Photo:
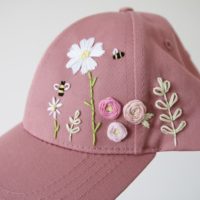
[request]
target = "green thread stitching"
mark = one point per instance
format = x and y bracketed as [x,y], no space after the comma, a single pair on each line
[56,128]
[162,90]
[95,126]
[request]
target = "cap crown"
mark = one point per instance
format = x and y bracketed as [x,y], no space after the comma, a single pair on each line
[150,49]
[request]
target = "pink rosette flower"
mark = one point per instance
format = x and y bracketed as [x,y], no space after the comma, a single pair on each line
[109,108]
[116,132]
[134,111]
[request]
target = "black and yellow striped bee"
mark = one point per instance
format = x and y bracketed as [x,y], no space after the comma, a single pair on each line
[117,54]
[61,88]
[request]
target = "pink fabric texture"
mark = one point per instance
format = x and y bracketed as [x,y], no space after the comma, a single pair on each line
[32,169]
[37,159]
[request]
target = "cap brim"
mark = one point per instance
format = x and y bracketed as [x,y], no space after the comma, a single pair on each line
[32,169]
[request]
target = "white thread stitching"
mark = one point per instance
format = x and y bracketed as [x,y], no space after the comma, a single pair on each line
[166,105]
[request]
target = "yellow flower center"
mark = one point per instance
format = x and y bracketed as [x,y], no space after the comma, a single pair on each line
[109,108]
[85,54]
[54,108]
[116,132]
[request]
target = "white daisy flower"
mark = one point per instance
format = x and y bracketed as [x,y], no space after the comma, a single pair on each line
[81,57]
[53,107]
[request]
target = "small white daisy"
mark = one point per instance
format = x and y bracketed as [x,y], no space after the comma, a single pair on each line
[81,57]
[53,107]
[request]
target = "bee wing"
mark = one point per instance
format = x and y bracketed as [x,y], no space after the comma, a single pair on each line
[67,86]
[115,51]
[56,86]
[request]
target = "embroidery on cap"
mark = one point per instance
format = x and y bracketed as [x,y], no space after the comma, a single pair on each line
[81,58]
[53,109]
[135,112]
[117,54]
[166,105]
[73,127]
[116,132]
[61,88]
[109,108]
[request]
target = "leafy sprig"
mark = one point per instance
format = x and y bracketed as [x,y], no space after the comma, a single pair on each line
[166,104]
[73,127]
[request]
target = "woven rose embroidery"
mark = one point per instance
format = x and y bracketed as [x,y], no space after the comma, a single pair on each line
[116,132]
[109,108]
[135,112]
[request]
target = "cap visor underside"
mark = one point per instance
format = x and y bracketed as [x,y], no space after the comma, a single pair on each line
[32,169]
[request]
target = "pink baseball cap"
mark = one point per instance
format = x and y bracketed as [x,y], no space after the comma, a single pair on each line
[111,91]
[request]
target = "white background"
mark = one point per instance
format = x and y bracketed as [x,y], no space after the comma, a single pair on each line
[26,29]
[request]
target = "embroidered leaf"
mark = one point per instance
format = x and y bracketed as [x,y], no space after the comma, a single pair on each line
[166,130]
[173,99]
[158,91]
[146,124]
[177,113]
[166,86]
[160,82]
[77,114]
[94,81]
[165,118]
[181,126]
[148,116]
[71,120]
[161,105]
[87,104]
[73,130]
[77,121]
[97,127]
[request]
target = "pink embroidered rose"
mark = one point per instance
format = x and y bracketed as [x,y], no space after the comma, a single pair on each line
[134,111]
[109,108]
[116,132]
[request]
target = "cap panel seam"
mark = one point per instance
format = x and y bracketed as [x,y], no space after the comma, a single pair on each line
[134,72]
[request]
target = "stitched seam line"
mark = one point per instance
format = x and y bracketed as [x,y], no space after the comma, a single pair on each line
[134,71]
[64,187]
[47,186]
[97,182]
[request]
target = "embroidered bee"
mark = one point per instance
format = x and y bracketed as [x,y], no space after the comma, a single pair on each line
[61,88]
[117,54]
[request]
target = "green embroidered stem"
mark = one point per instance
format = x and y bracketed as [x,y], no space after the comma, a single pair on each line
[56,128]
[91,104]
[70,137]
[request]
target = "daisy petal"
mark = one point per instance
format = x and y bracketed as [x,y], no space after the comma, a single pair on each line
[74,51]
[59,105]
[90,43]
[83,44]
[58,112]
[57,101]
[53,100]
[89,64]
[97,50]
[75,65]
[49,109]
